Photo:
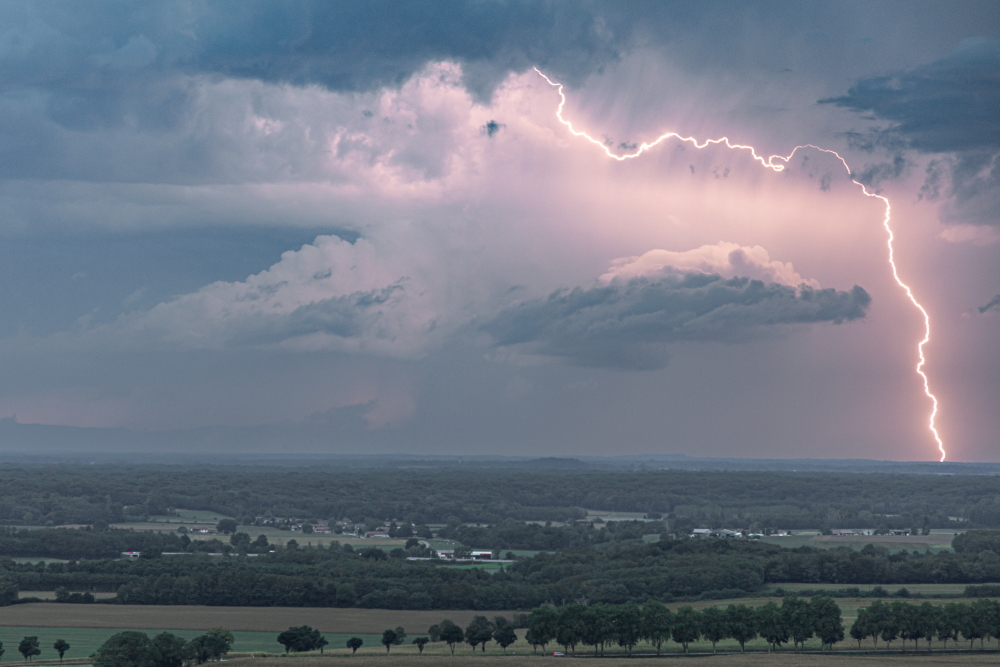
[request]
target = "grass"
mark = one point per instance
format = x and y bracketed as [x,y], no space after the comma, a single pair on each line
[923,589]
[193,516]
[936,542]
[244,619]
[84,641]
[759,660]
[791,541]
[256,630]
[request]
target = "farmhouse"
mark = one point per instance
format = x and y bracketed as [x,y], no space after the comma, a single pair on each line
[725,532]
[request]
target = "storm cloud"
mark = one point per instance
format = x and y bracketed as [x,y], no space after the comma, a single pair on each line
[993,304]
[951,106]
[626,324]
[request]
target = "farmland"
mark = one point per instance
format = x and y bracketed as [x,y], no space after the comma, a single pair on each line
[256,628]
[84,641]
[931,590]
[750,660]
[892,542]
[938,540]
[247,619]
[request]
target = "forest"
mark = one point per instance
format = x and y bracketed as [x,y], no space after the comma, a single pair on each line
[612,573]
[549,512]
[53,495]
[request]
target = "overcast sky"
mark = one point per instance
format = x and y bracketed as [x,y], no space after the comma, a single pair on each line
[360,227]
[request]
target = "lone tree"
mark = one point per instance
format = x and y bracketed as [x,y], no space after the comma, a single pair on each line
[61,647]
[829,624]
[420,641]
[301,638]
[656,622]
[686,627]
[626,621]
[714,626]
[226,526]
[130,648]
[451,634]
[388,639]
[171,649]
[799,619]
[505,636]
[541,627]
[742,623]
[354,643]
[29,647]
[772,626]
[480,631]
[219,642]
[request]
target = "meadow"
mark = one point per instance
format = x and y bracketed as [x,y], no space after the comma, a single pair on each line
[84,641]
[737,660]
[245,619]
[914,589]
[86,626]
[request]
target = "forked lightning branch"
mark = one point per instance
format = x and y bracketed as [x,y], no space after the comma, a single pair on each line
[778,163]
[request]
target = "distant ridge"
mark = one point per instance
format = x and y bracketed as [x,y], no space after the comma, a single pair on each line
[316,444]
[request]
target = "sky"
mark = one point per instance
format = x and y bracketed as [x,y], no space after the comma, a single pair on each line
[360,227]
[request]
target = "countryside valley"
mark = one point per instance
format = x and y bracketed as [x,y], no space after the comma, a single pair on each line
[541,556]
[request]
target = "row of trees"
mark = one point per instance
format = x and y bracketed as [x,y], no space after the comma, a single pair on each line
[478,633]
[132,648]
[30,647]
[907,622]
[796,619]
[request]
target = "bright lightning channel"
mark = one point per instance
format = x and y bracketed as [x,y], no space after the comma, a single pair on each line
[782,162]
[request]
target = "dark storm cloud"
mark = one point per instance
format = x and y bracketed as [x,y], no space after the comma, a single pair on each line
[994,304]
[952,105]
[96,53]
[349,316]
[626,324]
[108,91]
[949,106]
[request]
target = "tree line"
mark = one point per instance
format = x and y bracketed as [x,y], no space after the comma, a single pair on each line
[133,648]
[59,494]
[626,625]
[511,534]
[908,622]
[612,573]
[29,647]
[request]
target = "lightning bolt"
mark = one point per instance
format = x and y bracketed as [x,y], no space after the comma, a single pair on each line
[778,163]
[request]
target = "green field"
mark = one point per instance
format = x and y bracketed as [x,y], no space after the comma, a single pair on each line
[788,659]
[193,516]
[922,589]
[84,641]
[937,541]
